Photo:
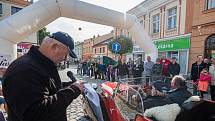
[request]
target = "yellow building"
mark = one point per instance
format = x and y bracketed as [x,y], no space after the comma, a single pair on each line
[167,22]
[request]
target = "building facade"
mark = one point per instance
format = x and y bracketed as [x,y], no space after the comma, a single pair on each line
[96,47]
[167,23]
[101,49]
[9,7]
[87,49]
[203,29]
[79,50]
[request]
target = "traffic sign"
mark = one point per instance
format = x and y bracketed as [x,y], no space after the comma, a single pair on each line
[116,47]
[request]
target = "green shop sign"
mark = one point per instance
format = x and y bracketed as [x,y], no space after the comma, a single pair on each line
[173,44]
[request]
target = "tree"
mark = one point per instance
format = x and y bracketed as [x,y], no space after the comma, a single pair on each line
[125,43]
[42,34]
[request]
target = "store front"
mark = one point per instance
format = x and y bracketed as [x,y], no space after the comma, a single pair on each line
[176,47]
[137,53]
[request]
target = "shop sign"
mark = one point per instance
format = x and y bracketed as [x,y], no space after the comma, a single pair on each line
[5,60]
[137,49]
[174,44]
[23,47]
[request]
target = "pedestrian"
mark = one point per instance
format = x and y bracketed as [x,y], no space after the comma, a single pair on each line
[96,70]
[103,71]
[212,84]
[196,70]
[130,67]
[174,68]
[122,69]
[89,63]
[157,71]
[84,68]
[32,86]
[79,69]
[109,72]
[203,83]
[207,63]
[148,69]
[137,72]
[165,64]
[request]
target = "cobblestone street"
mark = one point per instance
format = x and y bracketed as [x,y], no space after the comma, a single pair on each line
[75,111]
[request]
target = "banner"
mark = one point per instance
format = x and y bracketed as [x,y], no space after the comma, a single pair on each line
[5,60]
[173,45]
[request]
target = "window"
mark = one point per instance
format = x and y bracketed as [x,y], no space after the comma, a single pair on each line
[100,50]
[15,10]
[95,50]
[156,23]
[172,18]
[210,4]
[103,49]
[1,10]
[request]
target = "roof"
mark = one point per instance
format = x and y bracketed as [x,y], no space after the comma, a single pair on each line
[139,5]
[103,42]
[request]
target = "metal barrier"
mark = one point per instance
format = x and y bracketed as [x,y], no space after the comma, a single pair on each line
[138,89]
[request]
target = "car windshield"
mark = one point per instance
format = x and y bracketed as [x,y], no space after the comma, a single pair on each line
[129,96]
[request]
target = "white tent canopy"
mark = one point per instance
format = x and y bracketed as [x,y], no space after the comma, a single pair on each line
[34,17]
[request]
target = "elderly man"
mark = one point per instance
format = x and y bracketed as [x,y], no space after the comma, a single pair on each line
[179,93]
[32,86]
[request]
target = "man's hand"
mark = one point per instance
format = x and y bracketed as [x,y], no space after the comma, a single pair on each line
[79,84]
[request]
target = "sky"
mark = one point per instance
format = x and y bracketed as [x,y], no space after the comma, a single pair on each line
[88,30]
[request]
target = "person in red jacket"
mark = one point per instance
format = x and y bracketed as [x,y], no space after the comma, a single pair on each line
[165,68]
[204,80]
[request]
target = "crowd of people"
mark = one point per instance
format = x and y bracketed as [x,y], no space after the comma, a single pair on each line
[202,71]
[133,69]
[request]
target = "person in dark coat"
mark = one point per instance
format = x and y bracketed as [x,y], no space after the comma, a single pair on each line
[174,67]
[207,63]
[157,71]
[137,72]
[179,92]
[122,69]
[32,86]
[196,70]
[84,68]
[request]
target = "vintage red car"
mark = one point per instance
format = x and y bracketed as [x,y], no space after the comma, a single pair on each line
[114,101]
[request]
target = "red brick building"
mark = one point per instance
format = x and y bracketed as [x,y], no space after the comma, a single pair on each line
[203,29]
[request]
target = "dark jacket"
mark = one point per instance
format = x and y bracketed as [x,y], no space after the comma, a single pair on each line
[157,70]
[33,90]
[122,69]
[196,70]
[153,101]
[179,95]
[137,70]
[207,65]
[174,69]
